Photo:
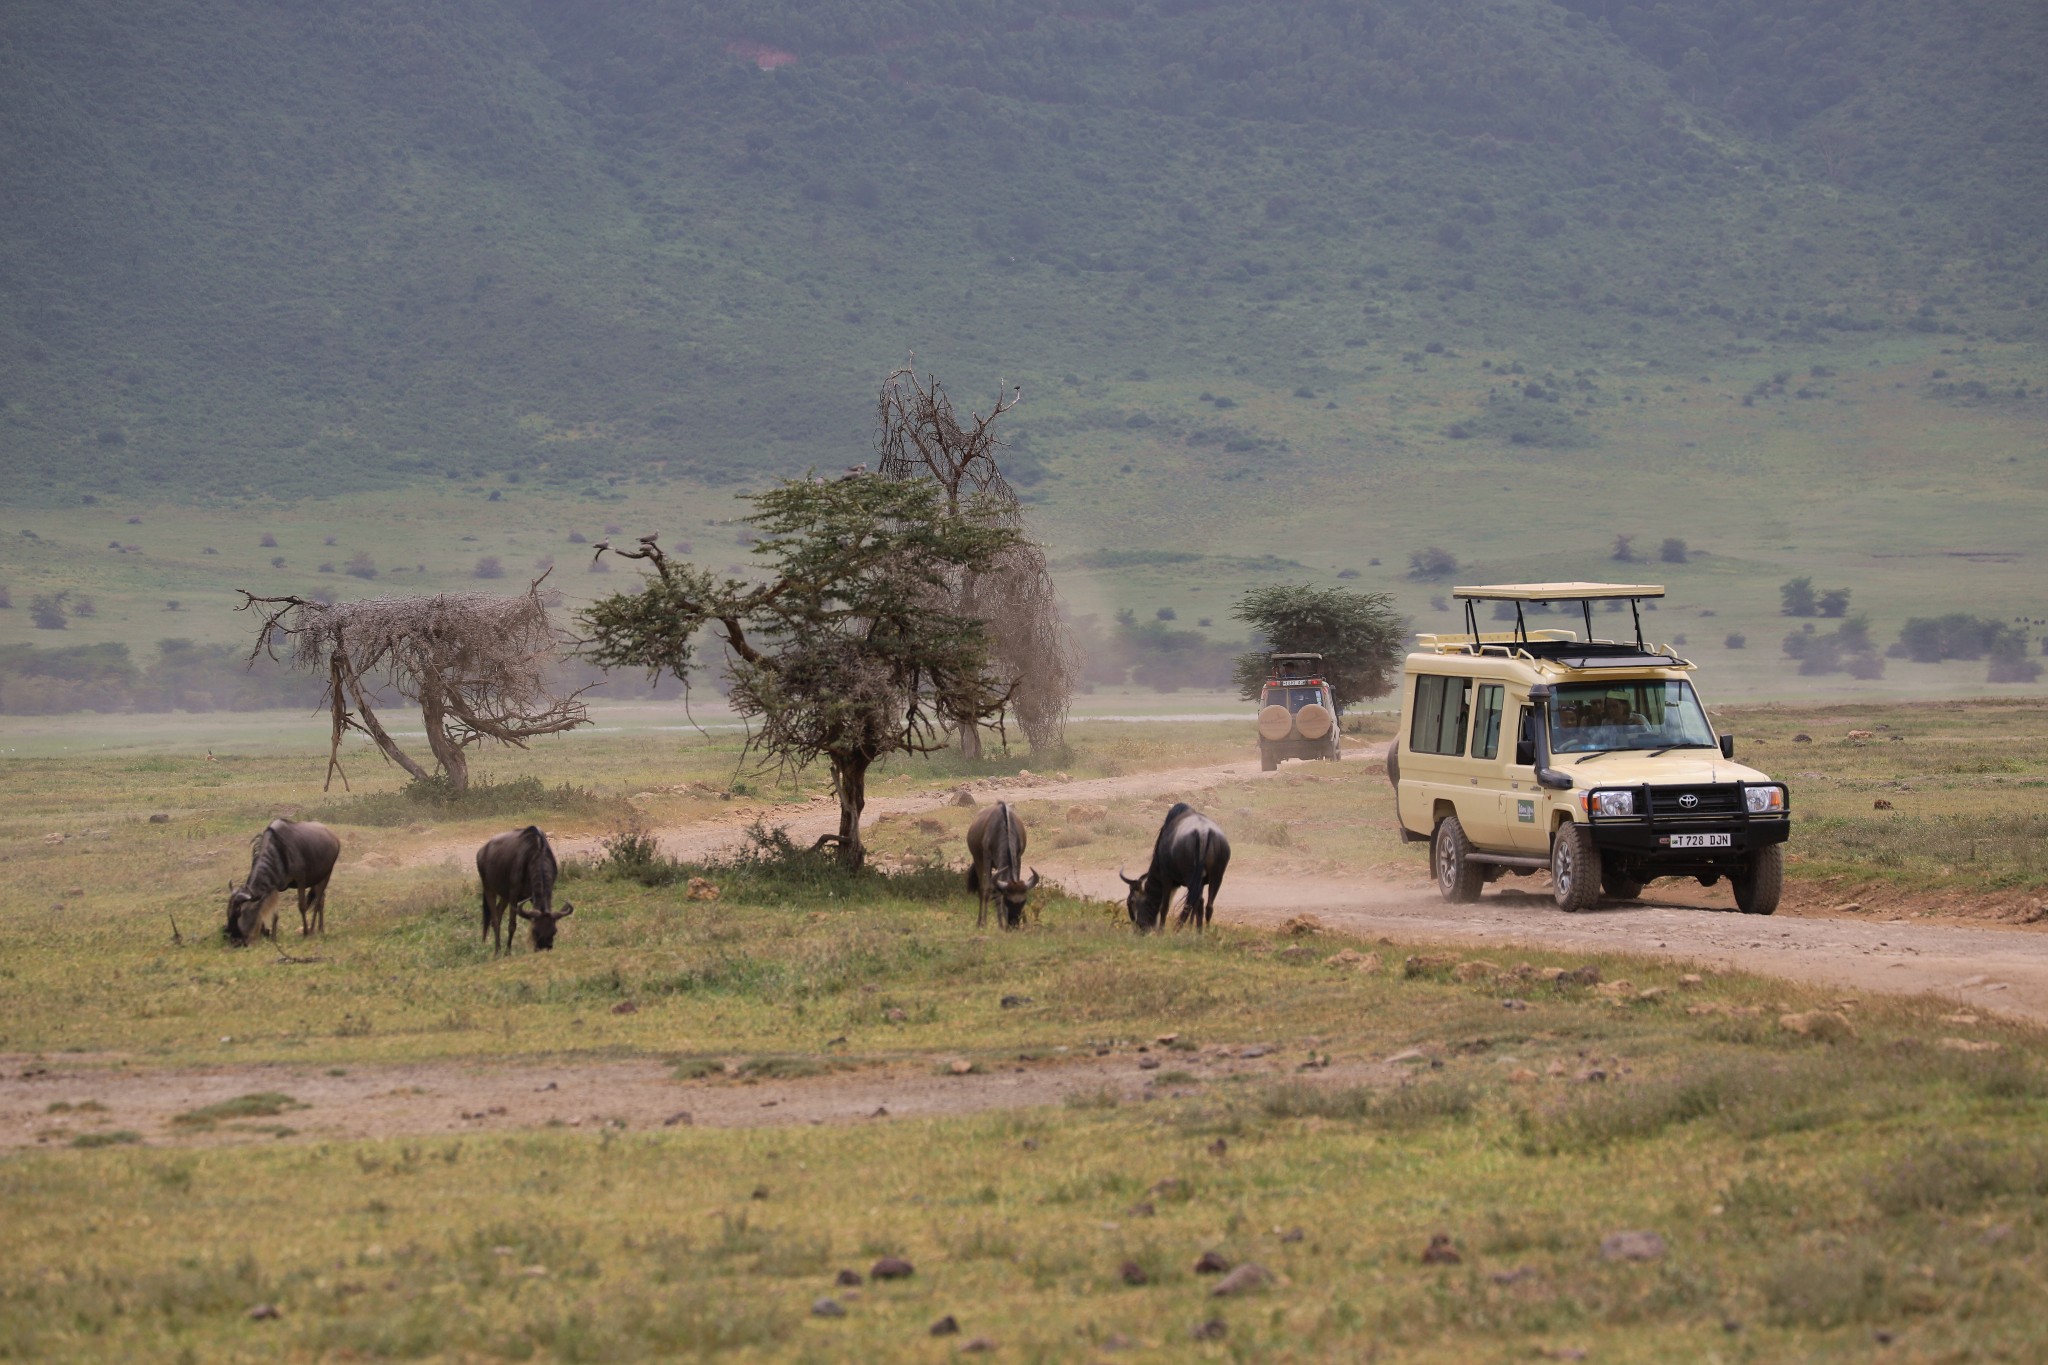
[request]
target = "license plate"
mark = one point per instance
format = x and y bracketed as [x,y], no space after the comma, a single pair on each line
[1701,840]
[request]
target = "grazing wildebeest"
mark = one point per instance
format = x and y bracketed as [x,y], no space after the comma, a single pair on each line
[1190,853]
[288,855]
[995,841]
[517,867]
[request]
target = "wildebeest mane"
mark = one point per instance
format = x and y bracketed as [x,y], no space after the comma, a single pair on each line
[538,860]
[1162,845]
[266,862]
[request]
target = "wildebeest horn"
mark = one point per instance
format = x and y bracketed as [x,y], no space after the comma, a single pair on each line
[1127,881]
[1034,880]
[567,910]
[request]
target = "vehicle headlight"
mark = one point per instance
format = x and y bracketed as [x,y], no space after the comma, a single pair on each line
[1614,803]
[1765,800]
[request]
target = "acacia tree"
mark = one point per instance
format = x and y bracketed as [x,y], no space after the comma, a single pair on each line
[851,648]
[919,436]
[476,664]
[1359,635]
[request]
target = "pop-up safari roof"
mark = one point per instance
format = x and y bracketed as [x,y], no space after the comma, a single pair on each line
[1587,652]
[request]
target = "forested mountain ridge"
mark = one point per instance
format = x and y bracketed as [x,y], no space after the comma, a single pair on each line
[289,248]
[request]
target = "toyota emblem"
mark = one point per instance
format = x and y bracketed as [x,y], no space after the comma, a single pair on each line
[1688,800]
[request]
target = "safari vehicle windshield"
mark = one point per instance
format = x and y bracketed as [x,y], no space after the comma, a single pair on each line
[1640,714]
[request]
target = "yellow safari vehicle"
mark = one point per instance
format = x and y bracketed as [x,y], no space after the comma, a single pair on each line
[1528,750]
[1297,713]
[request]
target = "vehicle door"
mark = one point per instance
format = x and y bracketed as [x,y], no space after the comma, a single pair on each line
[1486,774]
[1524,821]
[1435,763]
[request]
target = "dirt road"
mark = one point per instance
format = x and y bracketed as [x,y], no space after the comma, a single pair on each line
[2003,969]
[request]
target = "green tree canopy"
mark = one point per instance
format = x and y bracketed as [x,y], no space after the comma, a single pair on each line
[849,649]
[1359,635]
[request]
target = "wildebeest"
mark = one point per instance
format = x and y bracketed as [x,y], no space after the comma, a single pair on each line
[1189,853]
[995,841]
[515,868]
[288,855]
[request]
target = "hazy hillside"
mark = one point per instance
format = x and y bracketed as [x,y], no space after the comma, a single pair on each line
[290,248]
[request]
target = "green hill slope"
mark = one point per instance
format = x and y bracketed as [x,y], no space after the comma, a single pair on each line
[293,249]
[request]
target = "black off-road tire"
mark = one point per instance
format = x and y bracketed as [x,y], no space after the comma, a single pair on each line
[1761,881]
[1574,868]
[1394,766]
[1458,878]
[1619,884]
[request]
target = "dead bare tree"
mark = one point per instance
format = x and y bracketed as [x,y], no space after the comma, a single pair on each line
[919,436]
[476,664]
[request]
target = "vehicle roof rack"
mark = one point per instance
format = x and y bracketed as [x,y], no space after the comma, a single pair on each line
[1585,594]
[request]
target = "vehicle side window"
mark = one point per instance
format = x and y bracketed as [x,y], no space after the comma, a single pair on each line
[1525,734]
[1486,723]
[1438,726]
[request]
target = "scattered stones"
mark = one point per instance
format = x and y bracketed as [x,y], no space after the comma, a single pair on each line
[1245,1279]
[680,1119]
[701,889]
[1167,1039]
[159,819]
[1881,804]
[1826,1026]
[264,1312]
[1354,960]
[1148,1063]
[1631,1246]
[1142,1209]
[1257,1050]
[828,1307]
[1849,908]
[1513,1004]
[881,1112]
[1588,975]
[1133,1274]
[1014,1002]
[978,1345]
[961,1067]
[1219,1147]
[1515,1276]
[1691,979]
[626,1007]
[1521,1075]
[1964,1020]
[1211,1263]
[1117,1341]
[1440,1251]
[1173,1187]
[1967,1044]
[891,1268]
[929,826]
[947,1326]
[1292,1235]
[1802,739]
[894,1015]
[1413,1054]
[1421,964]
[1086,815]
[1294,953]
[1301,926]
[1478,969]
[963,797]
[2033,914]
[848,1278]
[1861,734]
[1215,1329]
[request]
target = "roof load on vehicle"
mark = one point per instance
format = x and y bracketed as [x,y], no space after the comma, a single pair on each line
[1289,666]
[1585,594]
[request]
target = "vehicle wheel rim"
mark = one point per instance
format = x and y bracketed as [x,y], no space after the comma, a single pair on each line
[1561,870]
[1446,872]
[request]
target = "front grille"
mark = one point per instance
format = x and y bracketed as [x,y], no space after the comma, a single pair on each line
[1718,802]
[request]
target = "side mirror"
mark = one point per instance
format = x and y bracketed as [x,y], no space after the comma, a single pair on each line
[1727,746]
[1525,753]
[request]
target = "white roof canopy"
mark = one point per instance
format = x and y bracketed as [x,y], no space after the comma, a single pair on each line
[1558,592]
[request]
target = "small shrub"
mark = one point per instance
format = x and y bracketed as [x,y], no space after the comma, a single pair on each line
[1432,562]
[1673,551]
[46,611]
[1736,640]
[489,567]
[269,541]
[360,565]
[1624,551]
[84,606]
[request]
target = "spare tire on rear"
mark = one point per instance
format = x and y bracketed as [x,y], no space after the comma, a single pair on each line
[1275,723]
[1314,720]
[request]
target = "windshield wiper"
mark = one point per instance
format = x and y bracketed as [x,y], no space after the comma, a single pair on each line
[1661,752]
[1597,753]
